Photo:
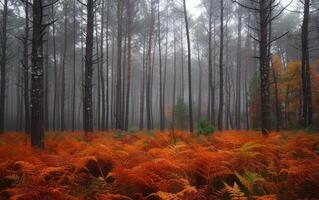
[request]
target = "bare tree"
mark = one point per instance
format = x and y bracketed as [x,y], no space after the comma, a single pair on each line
[87,105]
[25,65]
[74,65]
[37,90]
[129,62]
[191,126]
[238,75]
[118,111]
[160,68]
[221,74]
[3,63]
[62,111]
[307,113]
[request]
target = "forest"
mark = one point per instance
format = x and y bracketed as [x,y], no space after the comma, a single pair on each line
[159,99]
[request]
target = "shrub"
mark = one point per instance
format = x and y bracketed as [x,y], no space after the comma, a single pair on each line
[181,114]
[204,128]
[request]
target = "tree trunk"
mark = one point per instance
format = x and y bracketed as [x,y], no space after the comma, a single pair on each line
[88,107]
[142,97]
[107,68]
[210,64]
[221,75]
[25,63]
[129,63]
[3,63]
[74,65]
[148,82]
[161,106]
[191,128]
[55,98]
[264,68]
[103,122]
[307,118]
[62,114]
[119,122]
[238,75]
[37,125]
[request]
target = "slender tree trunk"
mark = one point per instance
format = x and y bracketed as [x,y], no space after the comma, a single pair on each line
[74,65]
[97,117]
[165,68]
[142,98]
[3,62]
[210,69]
[88,106]
[191,128]
[107,68]
[55,98]
[62,114]
[148,82]
[264,67]
[161,106]
[221,75]
[129,62]
[200,84]
[103,122]
[174,83]
[238,75]
[25,63]
[46,85]
[119,122]
[307,117]
[37,100]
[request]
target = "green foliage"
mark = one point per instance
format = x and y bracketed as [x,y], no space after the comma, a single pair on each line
[181,114]
[311,129]
[132,130]
[205,128]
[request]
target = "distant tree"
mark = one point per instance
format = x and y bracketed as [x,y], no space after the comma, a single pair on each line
[307,113]
[118,111]
[190,100]
[221,73]
[129,62]
[3,63]
[26,67]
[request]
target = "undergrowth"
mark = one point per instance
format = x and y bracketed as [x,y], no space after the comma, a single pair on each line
[119,166]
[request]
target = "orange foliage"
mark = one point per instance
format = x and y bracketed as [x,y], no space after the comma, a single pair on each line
[226,165]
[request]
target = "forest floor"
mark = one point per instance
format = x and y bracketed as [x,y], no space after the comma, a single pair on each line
[119,166]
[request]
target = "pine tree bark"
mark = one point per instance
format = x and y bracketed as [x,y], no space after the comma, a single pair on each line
[238,75]
[129,62]
[55,98]
[264,67]
[62,111]
[88,106]
[149,71]
[37,100]
[74,66]
[210,63]
[25,64]
[3,63]
[221,75]
[307,113]
[190,101]
[161,106]
[103,122]
[118,113]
